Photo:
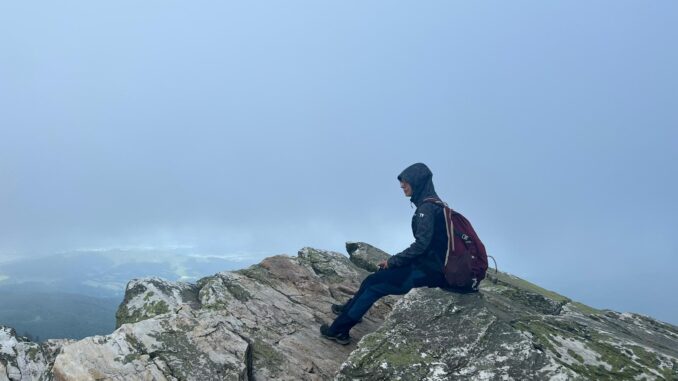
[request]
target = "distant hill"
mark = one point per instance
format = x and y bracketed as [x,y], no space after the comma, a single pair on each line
[105,273]
[75,294]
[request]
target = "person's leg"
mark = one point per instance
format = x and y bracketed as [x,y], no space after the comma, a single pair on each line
[430,280]
[366,283]
[395,281]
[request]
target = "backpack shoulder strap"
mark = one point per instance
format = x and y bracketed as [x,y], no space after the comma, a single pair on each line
[437,201]
[468,241]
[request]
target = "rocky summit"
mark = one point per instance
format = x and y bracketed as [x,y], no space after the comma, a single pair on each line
[261,323]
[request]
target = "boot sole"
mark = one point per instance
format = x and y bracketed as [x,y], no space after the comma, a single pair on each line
[338,340]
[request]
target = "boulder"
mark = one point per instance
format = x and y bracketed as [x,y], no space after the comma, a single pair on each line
[365,255]
[21,359]
[186,345]
[511,330]
[150,297]
[256,323]
[261,323]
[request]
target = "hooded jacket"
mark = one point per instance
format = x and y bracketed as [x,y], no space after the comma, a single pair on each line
[428,224]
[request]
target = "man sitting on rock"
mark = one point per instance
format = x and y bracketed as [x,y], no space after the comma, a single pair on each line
[419,265]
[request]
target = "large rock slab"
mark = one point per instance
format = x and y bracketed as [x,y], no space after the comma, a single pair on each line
[365,255]
[257,323]
[261,323]
[511,330]
[21,359]
[145,298]
[188,345]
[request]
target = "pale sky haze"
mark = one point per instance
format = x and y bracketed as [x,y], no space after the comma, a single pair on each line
[257,128]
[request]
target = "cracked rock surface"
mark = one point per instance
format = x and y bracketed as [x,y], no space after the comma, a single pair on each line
[21,359]
[511,330]
[257,323]
[261,323]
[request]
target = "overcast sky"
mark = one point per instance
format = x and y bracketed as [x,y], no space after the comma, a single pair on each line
[263,127]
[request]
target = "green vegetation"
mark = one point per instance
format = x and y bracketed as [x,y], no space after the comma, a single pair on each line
[541,333]
[158,307]
[237,291]
[575,355]
[217,301]
[587,310]
[323,265]
[148,310]
[259,274]
[406,355]
[130,358]
[523,291]
[532,301]
[219,305]
[646,358]
[195,363]
[527,286]
[266,356]
[133,342]
[624,363]
[33,352]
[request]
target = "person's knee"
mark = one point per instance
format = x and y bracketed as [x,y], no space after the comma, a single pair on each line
[381,289]
[371,279]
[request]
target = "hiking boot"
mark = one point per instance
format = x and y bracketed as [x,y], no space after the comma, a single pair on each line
[340,337]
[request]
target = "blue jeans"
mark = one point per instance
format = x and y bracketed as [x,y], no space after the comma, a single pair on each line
[393,281]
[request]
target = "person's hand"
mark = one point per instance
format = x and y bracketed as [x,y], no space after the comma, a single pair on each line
[383,265]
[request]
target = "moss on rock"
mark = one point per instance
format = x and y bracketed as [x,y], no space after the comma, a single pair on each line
[237,291]
[515,282]
[266,356]
[33,352]
[259,274]
[149,309]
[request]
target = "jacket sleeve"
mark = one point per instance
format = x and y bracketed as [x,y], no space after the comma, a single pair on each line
[424,219]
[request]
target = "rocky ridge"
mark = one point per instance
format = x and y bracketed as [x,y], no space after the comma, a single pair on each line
[262,323]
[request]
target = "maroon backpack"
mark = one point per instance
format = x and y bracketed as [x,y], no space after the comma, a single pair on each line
[466,258]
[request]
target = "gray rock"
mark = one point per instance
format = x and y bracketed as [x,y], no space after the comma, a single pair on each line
[145,298]
[21,359]
[511,330]
[261,323]
[257,323]
[365,255]
[187,345]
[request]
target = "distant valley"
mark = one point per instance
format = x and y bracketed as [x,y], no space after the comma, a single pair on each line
[75,294]
[42,316]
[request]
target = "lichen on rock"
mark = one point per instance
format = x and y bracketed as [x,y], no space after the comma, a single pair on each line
[21,359]
[365,255]
[149,297]
[261,323]
[511,330]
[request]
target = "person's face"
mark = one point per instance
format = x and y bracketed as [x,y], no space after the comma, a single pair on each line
[406,188]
